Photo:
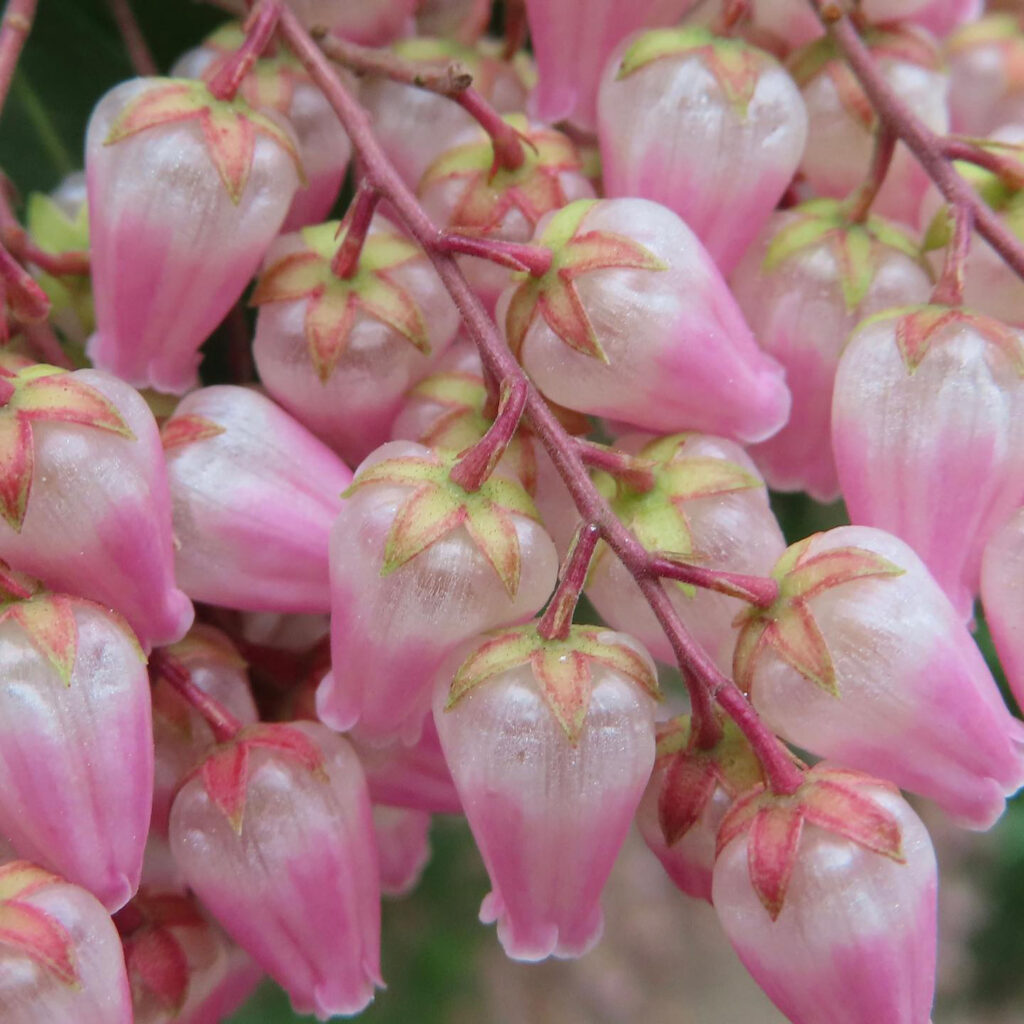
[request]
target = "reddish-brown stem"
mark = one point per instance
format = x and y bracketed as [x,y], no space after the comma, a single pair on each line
[259,30]
[704,680]
[949,290]
[44,343]
[357,224]
[448,80]
[637,474]
[476,464]
[516,28]
[881,157]
[507,142]
[1009,170]
[927,147]
[556,621]
[524,256]
[14,29]
[22,294]
[761,591]
[134,41]
[165,666]
[59,264]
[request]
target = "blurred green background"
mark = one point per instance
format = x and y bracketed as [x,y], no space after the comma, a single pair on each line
[440,964]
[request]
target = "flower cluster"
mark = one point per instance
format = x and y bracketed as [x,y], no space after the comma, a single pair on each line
[580,311]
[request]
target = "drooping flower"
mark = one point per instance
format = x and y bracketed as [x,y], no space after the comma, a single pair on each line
[186,192]
[862,659]
[550,743]
[275,836]
[722,132]
[634,322]
[829,898]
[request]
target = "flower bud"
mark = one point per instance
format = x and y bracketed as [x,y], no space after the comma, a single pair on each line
[60,959]
[707,506]
[254,496]
[403,847]
[928,434]
[275,836]
[339,353]
[88,442]
[185,194]
[634,322]
[419,565]
[76,745]
[711,106]
[689,793]
[550,743]
[279,82]
[573,39]
[986,89]
[864,660]
[828,896]
[810,278]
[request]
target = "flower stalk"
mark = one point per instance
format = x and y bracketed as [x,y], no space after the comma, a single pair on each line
[557,618]
[223,724]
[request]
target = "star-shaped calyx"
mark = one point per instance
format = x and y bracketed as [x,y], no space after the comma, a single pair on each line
[575,251]
[41,393]
[833,799]
[657,515]
[857,246]
[30,931]
[225,773]
[920,328]
[271,81]
[690,775]
[334,302]
[229,127]
[904,43]
[437,505]
[157,964]
[490,190]
[735,64]
[562,668]
[788,627]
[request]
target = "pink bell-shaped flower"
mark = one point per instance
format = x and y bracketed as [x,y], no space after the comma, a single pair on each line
[634,322]
[689,794]
[76,747]
[722,132]
[370,22]
[403,847]
[275,836]
[940,17]
[464,20]
[550,743]
[928,434]
[186,192]
[414,777]
[572,41]
[418,566]
[415,126]
[448,410]
[1002,594]
[60,957]
[467,190]
[241,977]
[780,26]
[88,442]
[181,735]
[279,82]
[254,495]
[828,896]
[338,352]
[175,958]
[986,86]
[803,286]
[705,504]
[841,120]
[862,659]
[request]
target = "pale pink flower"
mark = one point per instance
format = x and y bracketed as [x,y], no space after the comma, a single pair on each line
[254,496]
[1002,594]
[403,847]
[710,105]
